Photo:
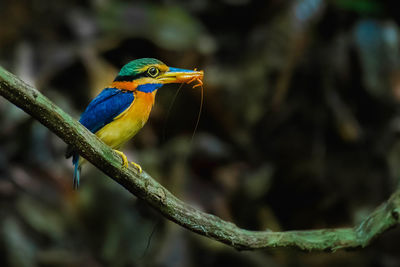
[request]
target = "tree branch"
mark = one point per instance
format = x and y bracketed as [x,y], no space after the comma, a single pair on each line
[145,187]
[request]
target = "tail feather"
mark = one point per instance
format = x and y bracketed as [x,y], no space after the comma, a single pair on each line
[77,171]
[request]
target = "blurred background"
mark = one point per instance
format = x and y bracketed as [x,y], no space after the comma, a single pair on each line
[299,129]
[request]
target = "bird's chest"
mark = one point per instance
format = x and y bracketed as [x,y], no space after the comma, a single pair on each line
[129,122]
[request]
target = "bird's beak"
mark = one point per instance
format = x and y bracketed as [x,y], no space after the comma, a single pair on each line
[175,75]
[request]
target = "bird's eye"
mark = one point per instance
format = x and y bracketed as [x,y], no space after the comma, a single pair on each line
[153,71]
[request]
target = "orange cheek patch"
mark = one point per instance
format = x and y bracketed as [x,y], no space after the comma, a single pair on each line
[130,86]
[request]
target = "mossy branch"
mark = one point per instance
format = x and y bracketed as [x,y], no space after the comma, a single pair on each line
[145,187]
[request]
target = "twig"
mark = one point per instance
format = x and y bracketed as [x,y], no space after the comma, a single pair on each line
[145,187]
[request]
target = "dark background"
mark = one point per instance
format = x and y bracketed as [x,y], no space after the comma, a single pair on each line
[299,129]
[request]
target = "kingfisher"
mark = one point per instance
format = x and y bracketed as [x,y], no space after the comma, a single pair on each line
[122,109]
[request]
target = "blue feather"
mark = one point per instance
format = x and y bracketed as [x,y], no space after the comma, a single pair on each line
[77,171]
[149,87]
[102,110]
[105,107]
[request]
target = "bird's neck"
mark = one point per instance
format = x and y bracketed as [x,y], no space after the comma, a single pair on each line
[125,85]
[134,86]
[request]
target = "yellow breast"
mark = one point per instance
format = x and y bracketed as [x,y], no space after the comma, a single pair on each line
[129,122]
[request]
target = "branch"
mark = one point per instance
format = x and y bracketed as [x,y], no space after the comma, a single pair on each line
[145,187]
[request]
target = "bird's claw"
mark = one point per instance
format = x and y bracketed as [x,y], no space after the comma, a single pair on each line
[125,161]
[137,166]
[123,157]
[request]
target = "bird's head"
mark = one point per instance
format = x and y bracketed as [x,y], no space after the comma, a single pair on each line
[149,74]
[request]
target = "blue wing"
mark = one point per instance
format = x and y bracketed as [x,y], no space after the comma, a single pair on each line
[102,110]
[105,107]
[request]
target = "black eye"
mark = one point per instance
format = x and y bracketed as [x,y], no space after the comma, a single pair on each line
[153,71]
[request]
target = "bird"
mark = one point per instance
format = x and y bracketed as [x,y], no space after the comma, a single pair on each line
[120,110]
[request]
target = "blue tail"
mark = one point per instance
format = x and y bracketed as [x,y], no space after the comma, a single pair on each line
[77,171]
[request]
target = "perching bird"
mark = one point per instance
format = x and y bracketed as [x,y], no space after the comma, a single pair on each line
[123,108]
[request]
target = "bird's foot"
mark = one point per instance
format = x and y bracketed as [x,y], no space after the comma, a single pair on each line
[137,166]
[123,157]
[125,161]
